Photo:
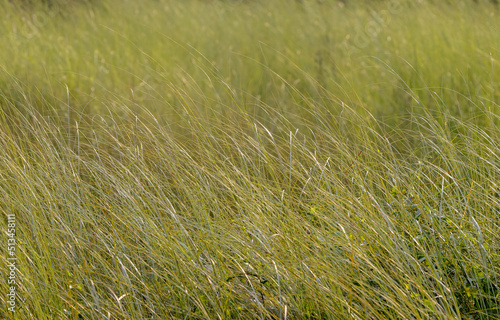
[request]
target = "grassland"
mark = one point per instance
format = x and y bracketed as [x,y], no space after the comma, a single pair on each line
[250,160]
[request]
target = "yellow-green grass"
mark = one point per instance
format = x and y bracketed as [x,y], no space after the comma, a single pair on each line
[251,160]
[365,55]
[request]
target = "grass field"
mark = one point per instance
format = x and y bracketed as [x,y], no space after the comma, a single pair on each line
[250,159]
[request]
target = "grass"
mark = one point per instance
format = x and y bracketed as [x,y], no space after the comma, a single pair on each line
[251,160]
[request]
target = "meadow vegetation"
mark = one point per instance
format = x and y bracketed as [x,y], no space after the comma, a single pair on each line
[251,159]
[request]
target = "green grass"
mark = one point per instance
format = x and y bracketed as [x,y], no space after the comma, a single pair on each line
[251,160]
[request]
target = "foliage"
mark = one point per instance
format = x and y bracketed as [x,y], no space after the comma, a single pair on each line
[284,165]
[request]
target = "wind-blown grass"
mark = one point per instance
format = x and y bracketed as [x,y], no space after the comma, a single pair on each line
[364,54]
[182,180]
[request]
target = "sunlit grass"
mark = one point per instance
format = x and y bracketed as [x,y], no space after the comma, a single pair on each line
[206,160]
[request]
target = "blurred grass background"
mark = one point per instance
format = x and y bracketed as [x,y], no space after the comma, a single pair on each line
[367,55]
